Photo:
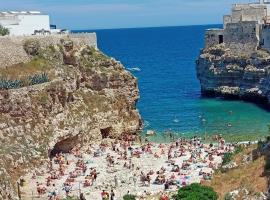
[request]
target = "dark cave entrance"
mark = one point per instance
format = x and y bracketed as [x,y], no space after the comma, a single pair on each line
[63,146]
[106,132]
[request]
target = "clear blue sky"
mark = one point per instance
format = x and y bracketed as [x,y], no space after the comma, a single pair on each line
[92,14]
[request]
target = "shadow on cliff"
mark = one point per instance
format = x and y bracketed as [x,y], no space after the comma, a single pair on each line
[261,102]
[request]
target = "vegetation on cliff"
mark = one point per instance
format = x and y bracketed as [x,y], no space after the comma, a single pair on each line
[246,179]
[3,31]
[196,192]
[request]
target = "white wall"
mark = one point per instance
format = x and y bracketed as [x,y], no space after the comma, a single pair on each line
[29,23]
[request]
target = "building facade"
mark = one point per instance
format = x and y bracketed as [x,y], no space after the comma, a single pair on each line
[25,23]
[247,28]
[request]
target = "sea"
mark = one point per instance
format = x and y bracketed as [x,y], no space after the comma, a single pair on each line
[163,60]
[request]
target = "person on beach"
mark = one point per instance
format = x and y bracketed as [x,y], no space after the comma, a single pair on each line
[166,186]
[185,157]
[115,181]
[112,195]
[82,197]
[54,193]
[104,195]
[134,178]
[164,197]
[67,189]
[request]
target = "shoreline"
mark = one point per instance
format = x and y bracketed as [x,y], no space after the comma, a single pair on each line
[159,138]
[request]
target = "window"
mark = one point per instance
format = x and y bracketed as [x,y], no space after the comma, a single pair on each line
[220,39]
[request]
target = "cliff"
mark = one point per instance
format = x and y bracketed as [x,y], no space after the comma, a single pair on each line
[224,73]
[63,93]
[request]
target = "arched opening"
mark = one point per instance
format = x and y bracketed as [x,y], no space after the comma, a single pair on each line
[106,132]
[63,146]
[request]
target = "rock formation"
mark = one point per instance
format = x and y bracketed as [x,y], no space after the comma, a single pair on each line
[224,73]
[86,97]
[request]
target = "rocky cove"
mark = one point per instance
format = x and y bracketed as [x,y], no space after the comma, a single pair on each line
[224,73]
[58,92]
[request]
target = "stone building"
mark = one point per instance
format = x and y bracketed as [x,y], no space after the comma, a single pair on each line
[246,29]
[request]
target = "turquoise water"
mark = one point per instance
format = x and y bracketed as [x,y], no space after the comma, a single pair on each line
[170,92]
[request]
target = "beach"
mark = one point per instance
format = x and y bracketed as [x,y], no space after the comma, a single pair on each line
[125,167]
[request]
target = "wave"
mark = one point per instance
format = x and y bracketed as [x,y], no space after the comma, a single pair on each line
[146,124]
[176,120]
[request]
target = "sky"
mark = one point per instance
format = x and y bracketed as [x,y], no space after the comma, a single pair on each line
[107,14]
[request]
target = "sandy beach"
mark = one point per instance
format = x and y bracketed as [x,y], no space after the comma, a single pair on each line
[124,167]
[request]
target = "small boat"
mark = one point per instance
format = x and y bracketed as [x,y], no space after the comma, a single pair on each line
[134,69]
[150,133]
[229,125]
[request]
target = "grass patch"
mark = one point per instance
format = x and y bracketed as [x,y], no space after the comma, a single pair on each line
[246,176]
[36,65]
[228,157]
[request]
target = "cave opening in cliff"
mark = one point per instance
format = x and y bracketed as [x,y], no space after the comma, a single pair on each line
[63,146]
[106,132]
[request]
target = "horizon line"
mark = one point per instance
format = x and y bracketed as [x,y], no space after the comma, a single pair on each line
[143,27]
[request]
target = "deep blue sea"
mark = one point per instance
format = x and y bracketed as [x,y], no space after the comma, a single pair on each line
[170,93]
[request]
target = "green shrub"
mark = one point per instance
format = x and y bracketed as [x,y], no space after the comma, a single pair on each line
[238,149]
[196,191]
[3,31]
[227,158]
[38,78]
[6,84]
[10,84]
[31,47]
[129,197]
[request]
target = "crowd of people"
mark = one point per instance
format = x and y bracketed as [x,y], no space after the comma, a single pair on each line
[122,166]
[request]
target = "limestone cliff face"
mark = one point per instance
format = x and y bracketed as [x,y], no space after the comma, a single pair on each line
[87,96]
[223,73]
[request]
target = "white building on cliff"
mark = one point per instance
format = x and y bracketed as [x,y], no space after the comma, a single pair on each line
[26,22]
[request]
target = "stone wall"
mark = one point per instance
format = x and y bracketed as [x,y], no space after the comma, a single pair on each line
[13,52]
[226,19]
[213,37]
[265,37]
[242,37]
[248,12]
